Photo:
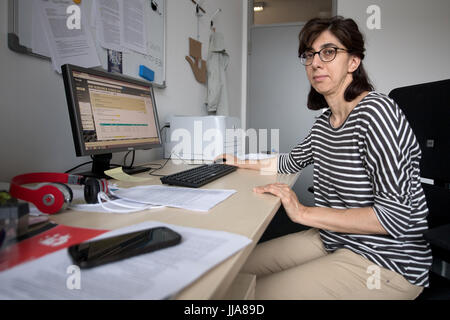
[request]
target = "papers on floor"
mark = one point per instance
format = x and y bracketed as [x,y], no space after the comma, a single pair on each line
[186,198]
[156,275]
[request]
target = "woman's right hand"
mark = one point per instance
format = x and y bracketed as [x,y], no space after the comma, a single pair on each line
[228,159]
[267,165]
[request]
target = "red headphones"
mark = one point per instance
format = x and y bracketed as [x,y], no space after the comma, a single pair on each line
[55,196]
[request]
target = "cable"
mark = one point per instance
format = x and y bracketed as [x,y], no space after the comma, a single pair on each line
[89,162]
[156,169]
[74,168]
[162,140]
[132,160]
[166,126]
[124,159]
[161,166]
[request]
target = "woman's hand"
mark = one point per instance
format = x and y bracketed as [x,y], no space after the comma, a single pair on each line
[292,206]
[265,166]
[228,159]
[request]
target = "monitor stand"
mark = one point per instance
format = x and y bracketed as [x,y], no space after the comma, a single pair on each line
[101,163]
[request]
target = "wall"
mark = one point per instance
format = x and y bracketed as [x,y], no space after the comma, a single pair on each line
[278,88]
[34,123]
[285,11]
[412,45]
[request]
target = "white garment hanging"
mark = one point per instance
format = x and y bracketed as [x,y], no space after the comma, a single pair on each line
[216,64]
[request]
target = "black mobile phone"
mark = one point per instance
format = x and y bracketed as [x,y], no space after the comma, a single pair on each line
[97,252]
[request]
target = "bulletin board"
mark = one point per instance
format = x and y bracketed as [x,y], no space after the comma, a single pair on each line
[20,17]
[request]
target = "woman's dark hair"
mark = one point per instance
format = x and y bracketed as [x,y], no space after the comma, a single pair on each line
[346,30]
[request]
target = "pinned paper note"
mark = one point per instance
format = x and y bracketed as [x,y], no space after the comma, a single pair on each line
[73,45]
[118,174]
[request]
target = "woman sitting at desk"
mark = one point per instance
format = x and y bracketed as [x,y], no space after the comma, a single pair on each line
[366,237]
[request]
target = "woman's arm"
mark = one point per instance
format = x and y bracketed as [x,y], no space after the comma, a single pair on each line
[357,221]
[266,165]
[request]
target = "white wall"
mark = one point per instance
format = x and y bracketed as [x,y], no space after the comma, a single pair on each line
[286,11]
[278,90]
[34,122]
[412,45]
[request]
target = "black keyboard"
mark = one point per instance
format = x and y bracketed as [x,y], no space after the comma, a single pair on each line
[198,176]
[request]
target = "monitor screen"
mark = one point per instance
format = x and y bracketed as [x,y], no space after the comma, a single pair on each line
[109,112]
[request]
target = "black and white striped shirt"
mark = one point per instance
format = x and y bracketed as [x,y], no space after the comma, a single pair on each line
[371,160]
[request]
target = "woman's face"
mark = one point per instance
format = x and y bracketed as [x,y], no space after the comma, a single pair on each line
[333,77]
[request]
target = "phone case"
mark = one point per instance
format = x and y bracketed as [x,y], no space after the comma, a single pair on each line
[173,239]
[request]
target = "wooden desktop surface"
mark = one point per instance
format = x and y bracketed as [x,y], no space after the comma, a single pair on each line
[245,213]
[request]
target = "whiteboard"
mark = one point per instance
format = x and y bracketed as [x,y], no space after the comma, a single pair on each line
[20,38]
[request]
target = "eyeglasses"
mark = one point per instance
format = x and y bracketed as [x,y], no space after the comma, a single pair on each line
[325,54]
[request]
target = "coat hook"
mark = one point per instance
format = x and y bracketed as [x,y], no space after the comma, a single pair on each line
[214,15]
[154,6]
[198,7]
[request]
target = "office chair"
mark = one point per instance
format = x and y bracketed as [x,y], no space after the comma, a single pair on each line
[427,109]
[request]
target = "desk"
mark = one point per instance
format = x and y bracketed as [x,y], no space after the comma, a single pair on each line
[245,213]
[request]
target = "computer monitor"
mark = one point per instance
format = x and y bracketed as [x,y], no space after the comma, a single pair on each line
[109,113]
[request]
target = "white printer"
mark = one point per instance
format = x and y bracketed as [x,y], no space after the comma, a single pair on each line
[202,137]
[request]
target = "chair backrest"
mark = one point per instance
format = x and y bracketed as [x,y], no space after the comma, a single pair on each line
[427,109]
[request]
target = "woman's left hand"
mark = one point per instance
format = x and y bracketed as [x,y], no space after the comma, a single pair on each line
[292,206]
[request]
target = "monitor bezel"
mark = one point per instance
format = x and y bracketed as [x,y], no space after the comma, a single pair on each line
[75,116]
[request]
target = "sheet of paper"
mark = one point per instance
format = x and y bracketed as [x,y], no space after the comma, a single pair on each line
[55,239]
[155,275]
[108,23]
[92,14]
[74,46]
[118,174]
[132,24]
[186,198]
[119,206]
[39,42]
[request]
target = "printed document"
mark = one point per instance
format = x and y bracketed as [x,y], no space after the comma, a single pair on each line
[74,46]
[132,24]
[39,42]
[107,13]
[186,198]
[157,275]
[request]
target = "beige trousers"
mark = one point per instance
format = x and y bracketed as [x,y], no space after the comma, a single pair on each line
[297,266]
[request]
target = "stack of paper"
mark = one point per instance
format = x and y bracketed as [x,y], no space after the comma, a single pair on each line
[156,196]
[186,198]
[156,275]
